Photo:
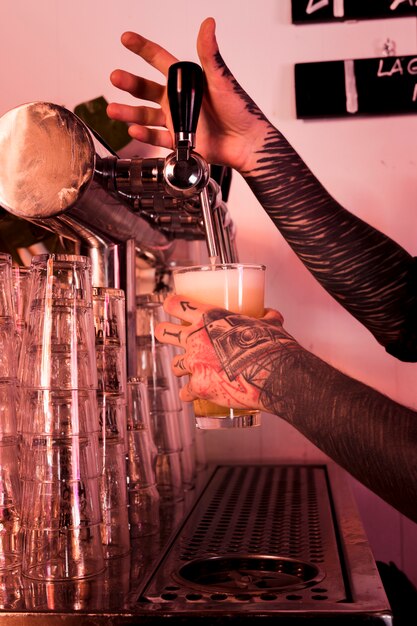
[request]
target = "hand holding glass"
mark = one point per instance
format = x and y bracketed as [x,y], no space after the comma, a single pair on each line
[239,288]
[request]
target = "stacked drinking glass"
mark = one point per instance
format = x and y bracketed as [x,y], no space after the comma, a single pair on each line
[154,366]
[10,549]
[59,455]
[21,283]
[110,341]
[143,493]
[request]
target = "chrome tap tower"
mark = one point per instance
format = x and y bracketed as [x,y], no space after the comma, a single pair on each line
[58,173]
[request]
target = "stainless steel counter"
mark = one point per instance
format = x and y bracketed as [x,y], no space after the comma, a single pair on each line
[258,541]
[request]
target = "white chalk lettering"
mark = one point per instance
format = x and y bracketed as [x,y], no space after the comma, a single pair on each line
[412,66]
[316,5]
[392,69]
[394,5]
[338,8]
[391,65]
[415,93]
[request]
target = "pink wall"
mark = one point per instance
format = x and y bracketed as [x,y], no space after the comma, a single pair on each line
[63,53]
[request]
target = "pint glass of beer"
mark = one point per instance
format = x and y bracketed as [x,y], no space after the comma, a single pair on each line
[239,288]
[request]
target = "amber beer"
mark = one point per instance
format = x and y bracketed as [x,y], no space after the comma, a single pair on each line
[238,288]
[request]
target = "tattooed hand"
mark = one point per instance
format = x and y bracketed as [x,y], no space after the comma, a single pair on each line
[230,359]
[231,127]
[242,362]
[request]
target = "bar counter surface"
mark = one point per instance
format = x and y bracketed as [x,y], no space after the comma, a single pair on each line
[249,543]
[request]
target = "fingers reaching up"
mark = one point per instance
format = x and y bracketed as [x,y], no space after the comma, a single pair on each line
[149,124]
[231,129]
[150,51]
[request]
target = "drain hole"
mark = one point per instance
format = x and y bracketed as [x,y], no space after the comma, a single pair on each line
[193,596]
[319,597]
[219,596]
[169,596]
[268,596]
[248,573]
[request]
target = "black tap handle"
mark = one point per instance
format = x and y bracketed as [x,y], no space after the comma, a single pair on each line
[185,93]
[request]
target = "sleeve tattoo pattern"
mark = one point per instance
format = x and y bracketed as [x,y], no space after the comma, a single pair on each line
[349,421]
[362,269]
[365,271]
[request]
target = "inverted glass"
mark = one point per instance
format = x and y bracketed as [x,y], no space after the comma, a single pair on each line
[6,287]
[143,495]
[63,413]
[58,349]
[154,359]
[113,502]
[59,424]
[46,458]
[8,432]
[10,535]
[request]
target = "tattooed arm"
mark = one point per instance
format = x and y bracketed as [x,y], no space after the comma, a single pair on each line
[239,361]
[368,273]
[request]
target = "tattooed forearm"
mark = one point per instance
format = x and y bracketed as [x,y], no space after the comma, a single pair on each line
[367,272]
[372,437]
[349,421]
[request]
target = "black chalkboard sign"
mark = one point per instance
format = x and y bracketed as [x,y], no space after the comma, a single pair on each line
[377,86]
[312,11]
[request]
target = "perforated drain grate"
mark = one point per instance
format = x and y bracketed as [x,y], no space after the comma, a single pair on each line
[263,510]
[256,529]
[267,541]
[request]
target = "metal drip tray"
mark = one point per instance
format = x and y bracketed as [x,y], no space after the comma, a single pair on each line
[259,542]
[278,541]
[249,574]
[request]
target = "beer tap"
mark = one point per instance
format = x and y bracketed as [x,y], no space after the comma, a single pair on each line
[186,173]
[58,173]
